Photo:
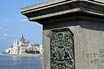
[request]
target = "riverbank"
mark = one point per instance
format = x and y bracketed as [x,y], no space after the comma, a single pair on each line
[22,55]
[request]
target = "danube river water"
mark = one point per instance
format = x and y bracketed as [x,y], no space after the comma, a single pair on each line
[13,62]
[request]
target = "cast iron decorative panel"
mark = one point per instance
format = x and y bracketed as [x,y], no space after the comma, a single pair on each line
[62,49]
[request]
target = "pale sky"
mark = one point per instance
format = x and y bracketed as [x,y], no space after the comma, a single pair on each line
[13,24]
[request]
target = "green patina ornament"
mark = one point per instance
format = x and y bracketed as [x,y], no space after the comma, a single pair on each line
[62,50]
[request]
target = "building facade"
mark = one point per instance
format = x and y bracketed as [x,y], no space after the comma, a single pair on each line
[23,47]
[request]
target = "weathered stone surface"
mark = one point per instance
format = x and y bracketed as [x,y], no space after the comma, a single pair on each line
[47,11]
[82,21]
[100,1]
[88,44]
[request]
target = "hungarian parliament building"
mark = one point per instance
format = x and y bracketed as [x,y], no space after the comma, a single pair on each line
[23,47]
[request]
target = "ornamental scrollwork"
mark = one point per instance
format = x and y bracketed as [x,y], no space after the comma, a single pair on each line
[62,50]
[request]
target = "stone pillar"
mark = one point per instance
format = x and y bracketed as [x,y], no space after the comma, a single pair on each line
[73,33]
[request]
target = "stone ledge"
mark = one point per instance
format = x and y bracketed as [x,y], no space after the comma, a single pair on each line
[90,8]
[49,4]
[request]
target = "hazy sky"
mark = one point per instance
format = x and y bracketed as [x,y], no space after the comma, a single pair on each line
[13,24]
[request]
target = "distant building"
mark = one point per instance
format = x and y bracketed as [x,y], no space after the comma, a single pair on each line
[41,50]
[23,47]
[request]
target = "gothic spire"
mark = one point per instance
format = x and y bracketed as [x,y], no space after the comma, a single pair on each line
[22,38]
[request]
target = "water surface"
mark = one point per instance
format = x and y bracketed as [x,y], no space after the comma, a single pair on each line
[13,62]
